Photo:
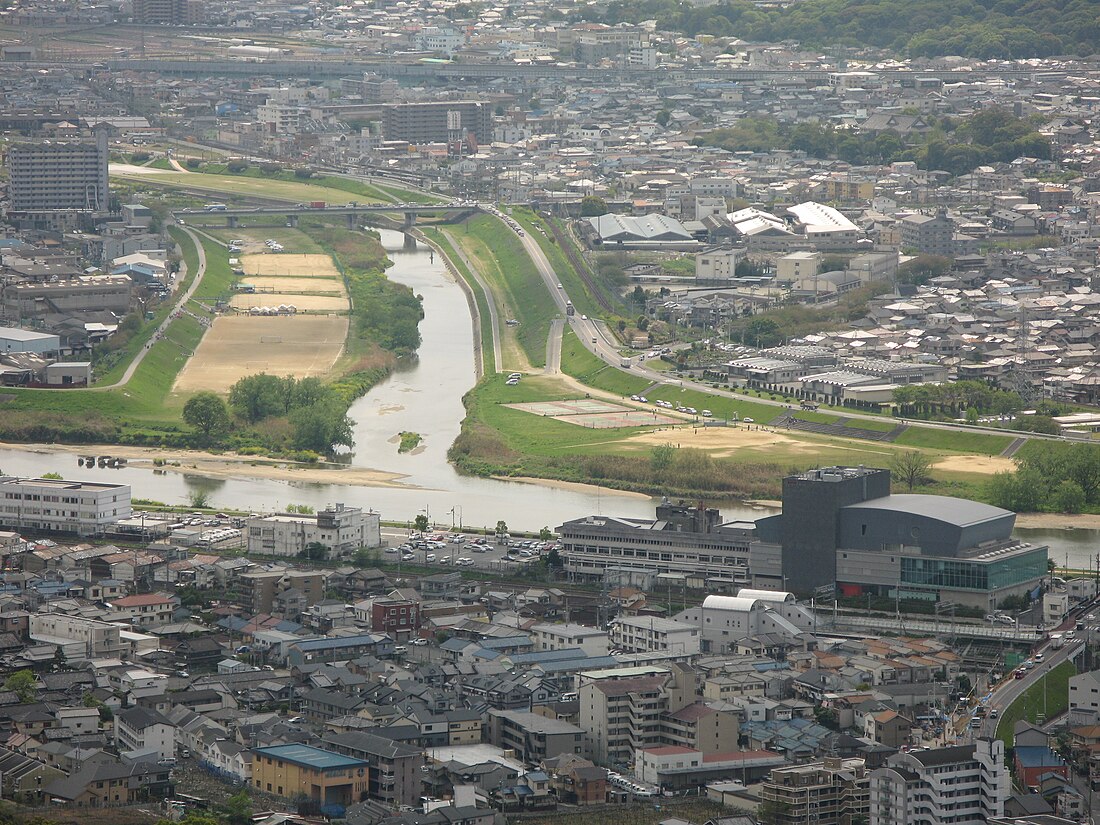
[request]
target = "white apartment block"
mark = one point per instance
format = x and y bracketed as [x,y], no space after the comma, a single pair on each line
[343,530]
[76,636]
[717,263]
[591,640]
[281,119]
[81,507]
[49,176]
[1084,698]
[650,634]
[962,785]
[144,729]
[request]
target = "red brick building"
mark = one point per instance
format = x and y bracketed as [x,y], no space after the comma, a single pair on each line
[395,616]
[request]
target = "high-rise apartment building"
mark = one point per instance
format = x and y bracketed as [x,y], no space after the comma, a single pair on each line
[438,122]
[962,784]
[832,792]
[50,176]
[168,12]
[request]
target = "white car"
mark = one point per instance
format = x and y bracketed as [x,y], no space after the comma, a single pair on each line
[419,642]
[748,420]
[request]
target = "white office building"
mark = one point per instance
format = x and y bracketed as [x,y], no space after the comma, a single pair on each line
[717,264]
[76,636]
[962,785]
[86,508]
[591,640]
[651,634]
[342,530]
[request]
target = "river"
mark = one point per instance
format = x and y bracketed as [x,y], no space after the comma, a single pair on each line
[426,397]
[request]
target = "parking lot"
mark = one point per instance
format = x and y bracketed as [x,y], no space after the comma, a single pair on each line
[446,553]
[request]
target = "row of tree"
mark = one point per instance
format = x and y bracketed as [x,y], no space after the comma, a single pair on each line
[316,413]
[952,399]
[990,136]
[1050,475]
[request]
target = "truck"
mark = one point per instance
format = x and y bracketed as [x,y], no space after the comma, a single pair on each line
[569,310]
[316,204]
[1057,640]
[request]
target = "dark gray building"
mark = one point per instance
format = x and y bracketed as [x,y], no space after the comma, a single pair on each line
[841,525]
[394,775]
[438,122]
[534,737]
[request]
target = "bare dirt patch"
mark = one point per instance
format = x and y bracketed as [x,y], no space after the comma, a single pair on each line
[280,284]
[986,465]
[302,345]
[722,442]
[291,264]
[326,303]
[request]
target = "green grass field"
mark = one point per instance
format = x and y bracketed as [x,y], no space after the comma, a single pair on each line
[488,359]
[960,441]
[233,187]
[588,369]
[574,287]
[518,289]
[1032,703]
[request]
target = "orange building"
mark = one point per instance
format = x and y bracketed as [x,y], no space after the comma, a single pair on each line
[301,770]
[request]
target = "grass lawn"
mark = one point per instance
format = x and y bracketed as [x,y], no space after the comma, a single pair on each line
[588,369]
[244,186]
[960,441]
[488,359]
[518,289]
[218,280]
[1030,704]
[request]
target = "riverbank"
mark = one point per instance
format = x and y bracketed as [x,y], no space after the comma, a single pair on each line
[1058,521]
[209,465]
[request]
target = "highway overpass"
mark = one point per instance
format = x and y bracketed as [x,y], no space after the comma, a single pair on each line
[352,212]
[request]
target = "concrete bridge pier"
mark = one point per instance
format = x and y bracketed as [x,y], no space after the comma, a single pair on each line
[291,220]
[410,219]
[232,221]
[409,242]
[352,219]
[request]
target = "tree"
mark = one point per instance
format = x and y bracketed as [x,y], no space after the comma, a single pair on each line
[53,475]
[1068,497]
[256,397]
[314,551]
[206,412]
[554,559]
[22,684]
[545,534]
[660,457]
[237,810]
[421,523]
[663,117]
[200,499]
[592,206]
[321,427]
[911,467]
[502,528]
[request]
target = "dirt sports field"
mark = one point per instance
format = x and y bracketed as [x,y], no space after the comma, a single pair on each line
[290,284]
[293,265]
[327,303]
[599,415]
[232,348]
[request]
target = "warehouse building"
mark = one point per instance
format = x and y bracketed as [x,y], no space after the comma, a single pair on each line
[13,339]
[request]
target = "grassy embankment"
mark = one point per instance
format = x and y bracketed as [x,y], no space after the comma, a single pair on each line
[485,319]
[518,291]
[583,299]
[1049,696]
[498,440]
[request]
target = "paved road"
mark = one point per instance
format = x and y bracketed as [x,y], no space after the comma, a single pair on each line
[181,301]
[553,347]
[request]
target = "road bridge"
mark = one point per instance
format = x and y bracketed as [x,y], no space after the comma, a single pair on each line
[352,212]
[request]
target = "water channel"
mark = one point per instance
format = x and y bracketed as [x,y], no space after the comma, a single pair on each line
[426,397]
